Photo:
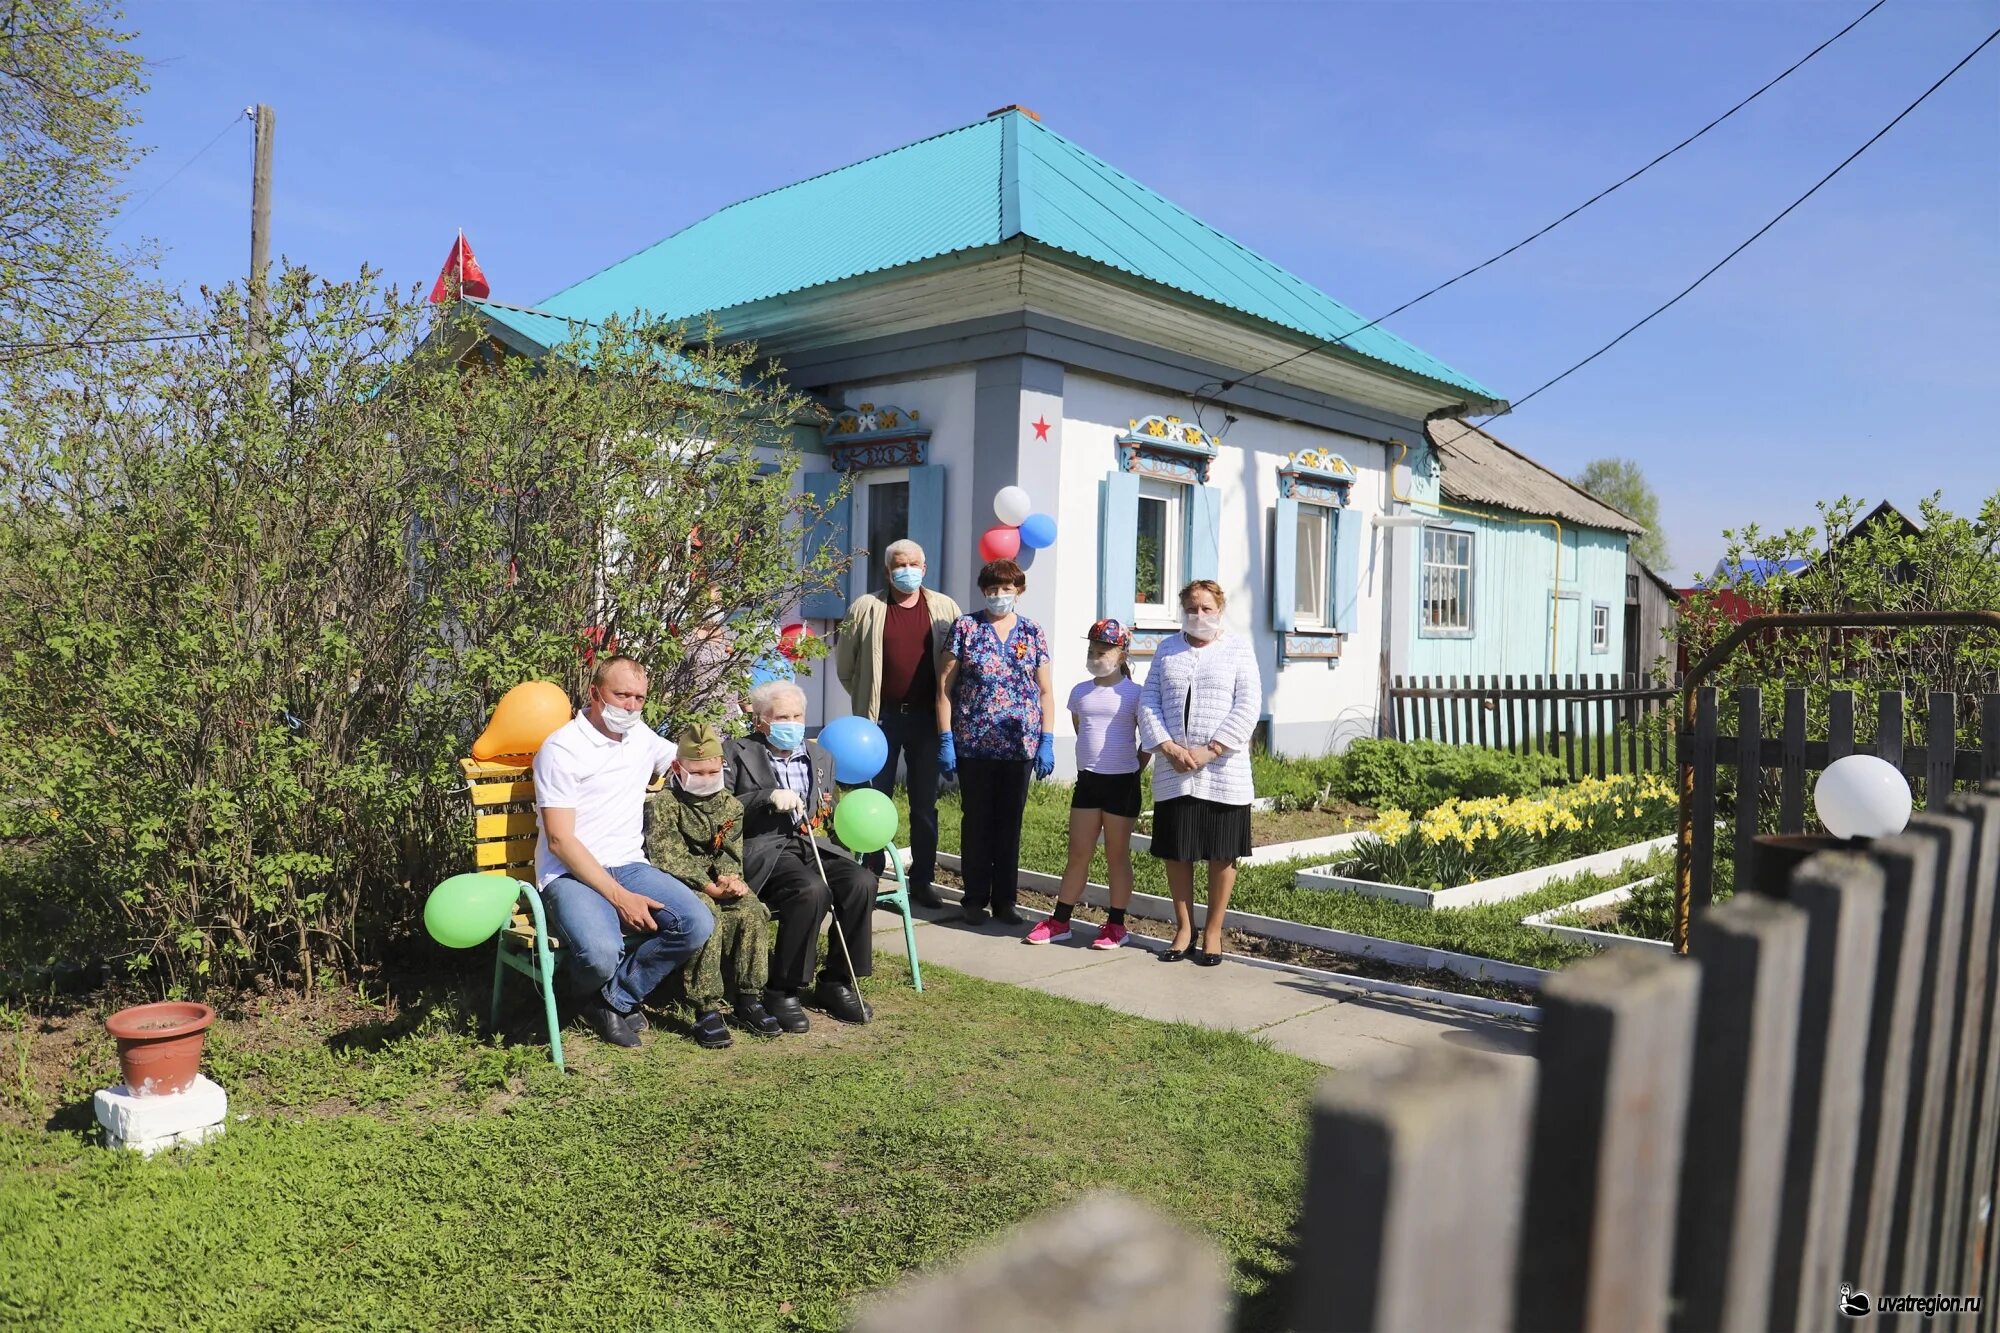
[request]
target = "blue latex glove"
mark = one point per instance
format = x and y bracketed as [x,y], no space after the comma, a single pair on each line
[1045,755]
[947,754]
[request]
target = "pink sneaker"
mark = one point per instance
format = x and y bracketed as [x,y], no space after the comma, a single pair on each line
[1109,936]
[1050,931]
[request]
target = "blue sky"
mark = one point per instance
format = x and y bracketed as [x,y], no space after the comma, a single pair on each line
[1371,148]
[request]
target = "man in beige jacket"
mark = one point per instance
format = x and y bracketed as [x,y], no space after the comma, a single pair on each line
[889,657]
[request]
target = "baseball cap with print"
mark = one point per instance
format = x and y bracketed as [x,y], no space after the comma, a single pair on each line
[1111,632]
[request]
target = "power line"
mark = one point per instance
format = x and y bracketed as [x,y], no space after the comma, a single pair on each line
[150,194]
[1716,267]
[1223,386]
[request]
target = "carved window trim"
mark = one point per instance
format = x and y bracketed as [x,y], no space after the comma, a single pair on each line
[865,438]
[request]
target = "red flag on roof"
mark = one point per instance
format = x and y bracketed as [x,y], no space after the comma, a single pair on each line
[460,276]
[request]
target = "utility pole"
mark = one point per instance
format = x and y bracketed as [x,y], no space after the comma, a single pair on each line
[265,124]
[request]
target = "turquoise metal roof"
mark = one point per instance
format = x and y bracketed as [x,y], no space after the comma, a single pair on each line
[537,330]
[971,188]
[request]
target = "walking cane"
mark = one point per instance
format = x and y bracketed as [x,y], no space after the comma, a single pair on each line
[838,933]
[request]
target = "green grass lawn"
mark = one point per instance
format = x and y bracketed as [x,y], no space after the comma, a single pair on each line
[1490,931]
[407,1175]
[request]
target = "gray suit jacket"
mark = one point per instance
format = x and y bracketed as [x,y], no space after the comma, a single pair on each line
[749,775]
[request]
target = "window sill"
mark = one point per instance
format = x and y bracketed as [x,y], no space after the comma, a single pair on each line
[1315,644]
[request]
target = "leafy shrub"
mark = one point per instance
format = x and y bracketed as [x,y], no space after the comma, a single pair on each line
[1417,775]
[1459,842]
[254,604]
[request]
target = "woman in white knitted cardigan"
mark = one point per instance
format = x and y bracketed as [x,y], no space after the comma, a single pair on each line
[1200,705]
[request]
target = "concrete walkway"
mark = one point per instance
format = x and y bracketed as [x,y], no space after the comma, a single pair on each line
[1306,1014]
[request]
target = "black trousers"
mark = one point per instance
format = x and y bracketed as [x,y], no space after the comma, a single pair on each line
[912,736]
[799,901]
[993,793]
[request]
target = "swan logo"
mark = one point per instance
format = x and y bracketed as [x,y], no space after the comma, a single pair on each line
[1853,1303]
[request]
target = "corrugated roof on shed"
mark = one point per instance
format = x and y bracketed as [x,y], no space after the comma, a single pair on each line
[1478,469]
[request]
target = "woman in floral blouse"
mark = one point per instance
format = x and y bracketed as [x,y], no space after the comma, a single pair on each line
[997,691]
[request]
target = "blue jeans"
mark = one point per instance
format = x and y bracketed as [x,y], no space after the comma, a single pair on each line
[594,937]
[913,737]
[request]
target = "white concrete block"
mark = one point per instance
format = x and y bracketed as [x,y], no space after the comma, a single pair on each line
[147,1147]
[133,1120]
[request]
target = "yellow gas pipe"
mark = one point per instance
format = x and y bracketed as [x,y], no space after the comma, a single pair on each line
[1555,610]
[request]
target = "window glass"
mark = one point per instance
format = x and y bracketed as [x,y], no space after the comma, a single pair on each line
[1157,558]
[1447,581]
[1309,576]
[1600,629]
[888,518]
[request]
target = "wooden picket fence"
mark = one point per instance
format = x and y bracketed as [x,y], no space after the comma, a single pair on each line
[1804,1111]
[1600,723]
[1939,763]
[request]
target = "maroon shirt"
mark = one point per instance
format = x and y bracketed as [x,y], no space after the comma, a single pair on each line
[909,673]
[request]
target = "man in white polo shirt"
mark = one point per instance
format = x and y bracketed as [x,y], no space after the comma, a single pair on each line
[590,786]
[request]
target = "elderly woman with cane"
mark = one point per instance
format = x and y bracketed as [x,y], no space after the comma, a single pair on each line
[1197,712]
[786,785]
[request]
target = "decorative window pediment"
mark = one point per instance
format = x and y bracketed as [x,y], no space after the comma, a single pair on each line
[1166,446]
[867,436]
[1316,476]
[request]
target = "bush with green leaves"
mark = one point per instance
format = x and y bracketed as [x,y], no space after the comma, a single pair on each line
[1417,775]
[254,606]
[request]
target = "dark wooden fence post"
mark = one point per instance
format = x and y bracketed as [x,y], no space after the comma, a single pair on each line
[1422,1160]
[1752,955]
[1841,895]
[1893,1073]
[1615,1050]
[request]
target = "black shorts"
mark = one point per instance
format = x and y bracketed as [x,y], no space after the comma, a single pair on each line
[1113,793]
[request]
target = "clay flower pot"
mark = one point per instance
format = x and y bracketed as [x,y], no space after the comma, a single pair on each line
[159,1045]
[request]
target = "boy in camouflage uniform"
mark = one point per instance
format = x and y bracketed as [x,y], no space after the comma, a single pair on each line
[694,832]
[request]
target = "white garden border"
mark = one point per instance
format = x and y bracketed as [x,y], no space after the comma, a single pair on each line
[1546,921]
[1155,908]
[1486,890]
[1272,853]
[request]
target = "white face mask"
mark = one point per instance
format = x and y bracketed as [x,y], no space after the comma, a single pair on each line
[1203,625]
[618,720]
[699,784]
[1102,665]
[1000,603]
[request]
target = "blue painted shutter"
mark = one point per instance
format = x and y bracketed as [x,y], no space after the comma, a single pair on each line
[927,518]
[1204,559]
[1284,565]
[1118,546]
[830,531]
[1346,577]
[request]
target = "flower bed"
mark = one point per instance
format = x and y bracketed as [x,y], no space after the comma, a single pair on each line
[1493,848]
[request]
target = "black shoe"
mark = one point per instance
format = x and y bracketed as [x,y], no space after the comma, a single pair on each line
[973,916]
[711,1031]
[1188,950]
[839,999]
[925,896]
[607,1023]
[785,1009]
[1204,958]
[636,1020]
[751,1016]
[1007,916]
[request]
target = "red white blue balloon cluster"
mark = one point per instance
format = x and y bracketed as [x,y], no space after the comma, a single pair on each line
[1020,526]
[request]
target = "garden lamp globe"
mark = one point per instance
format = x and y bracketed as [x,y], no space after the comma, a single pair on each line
[1861,796]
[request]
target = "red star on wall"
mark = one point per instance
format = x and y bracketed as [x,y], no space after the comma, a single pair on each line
[1041,428]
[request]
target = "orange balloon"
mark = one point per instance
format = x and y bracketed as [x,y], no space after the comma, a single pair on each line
[526,716]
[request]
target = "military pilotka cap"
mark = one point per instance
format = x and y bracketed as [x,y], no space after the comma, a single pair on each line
[699,740]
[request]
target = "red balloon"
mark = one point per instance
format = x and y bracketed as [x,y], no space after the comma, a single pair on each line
[1001,543]
[788,640]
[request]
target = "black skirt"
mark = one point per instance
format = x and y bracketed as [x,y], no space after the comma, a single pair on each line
[1188,828]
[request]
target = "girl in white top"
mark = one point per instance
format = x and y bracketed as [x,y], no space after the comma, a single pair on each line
[1104,710]
[1198,710]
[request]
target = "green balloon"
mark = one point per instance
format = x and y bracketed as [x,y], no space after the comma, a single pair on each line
[865,820]
[466,910]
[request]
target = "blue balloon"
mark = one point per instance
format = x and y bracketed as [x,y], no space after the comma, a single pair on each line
[858,747]
[1038,531]
[771,668]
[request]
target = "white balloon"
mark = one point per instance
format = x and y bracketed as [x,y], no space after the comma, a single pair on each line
[1011,505]
[1862,796]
